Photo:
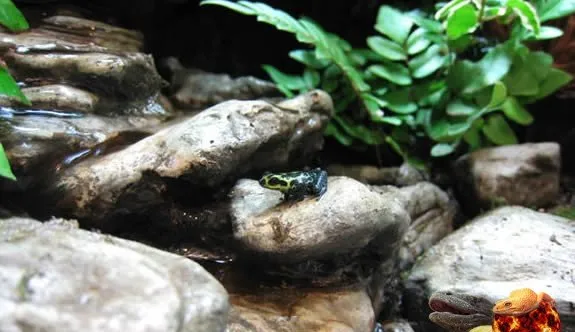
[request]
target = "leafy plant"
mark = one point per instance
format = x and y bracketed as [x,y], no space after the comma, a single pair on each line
[484,95]
[412,81]
[12,19]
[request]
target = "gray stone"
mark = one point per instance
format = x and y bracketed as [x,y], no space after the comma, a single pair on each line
[525,174]
[196,89]
[321,310]
[506,249]
[57,278]
[348,217]
[219,144]
[432,214]
[404,175]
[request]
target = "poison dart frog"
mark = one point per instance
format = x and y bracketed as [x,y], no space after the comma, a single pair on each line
[297,185]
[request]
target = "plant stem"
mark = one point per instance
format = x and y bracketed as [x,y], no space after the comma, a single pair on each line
[481,9]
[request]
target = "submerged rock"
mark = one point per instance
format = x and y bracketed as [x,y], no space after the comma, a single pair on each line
[58,278]
[526,174]
[506,249]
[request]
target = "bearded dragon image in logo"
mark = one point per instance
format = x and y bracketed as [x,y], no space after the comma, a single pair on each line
[524,310]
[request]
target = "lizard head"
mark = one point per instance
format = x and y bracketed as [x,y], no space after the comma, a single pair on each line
[519,302]
[459,312]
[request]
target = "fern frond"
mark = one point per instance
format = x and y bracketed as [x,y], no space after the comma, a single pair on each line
[327,46]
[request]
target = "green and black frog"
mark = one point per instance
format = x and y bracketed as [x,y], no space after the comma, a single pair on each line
[297,185]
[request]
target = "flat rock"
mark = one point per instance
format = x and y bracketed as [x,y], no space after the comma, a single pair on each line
[506,249]
[58,278]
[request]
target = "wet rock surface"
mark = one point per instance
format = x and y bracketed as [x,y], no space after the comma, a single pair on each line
[56,277]
[95,67]
[204,151]
[509,175]
[88,82]
[505,249]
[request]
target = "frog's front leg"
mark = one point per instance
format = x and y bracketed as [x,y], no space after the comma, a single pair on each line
[295,194]
[320,185]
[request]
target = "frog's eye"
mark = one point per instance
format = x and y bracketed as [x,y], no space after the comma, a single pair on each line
[507,304]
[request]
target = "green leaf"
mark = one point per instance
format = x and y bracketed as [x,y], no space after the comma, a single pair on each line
[442,149]
[428,62]
[521,83]
[395,146]
[516,112]
[399,101]
[546,32]
[539,64]
[527,14]
[5,169]
[457,107]
[429,93]
[554,80]
[311,79]
[498,95]
[391,71]
[11,17]
[361,132]
[368,54]
[283,80]
[427,24]
[9,87]
[438,128]
[496,63]
[386,48]
[459,127]
[472,136]
[332,130]
[392,120]
[393,24]
[460,44]
[417,41]
[464,75]
[467,77]
[329,85]
[464,20]
[327,46]
[307,57]
[230,5]
[498,130]
[449,7]
[552,9]
[492,12]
